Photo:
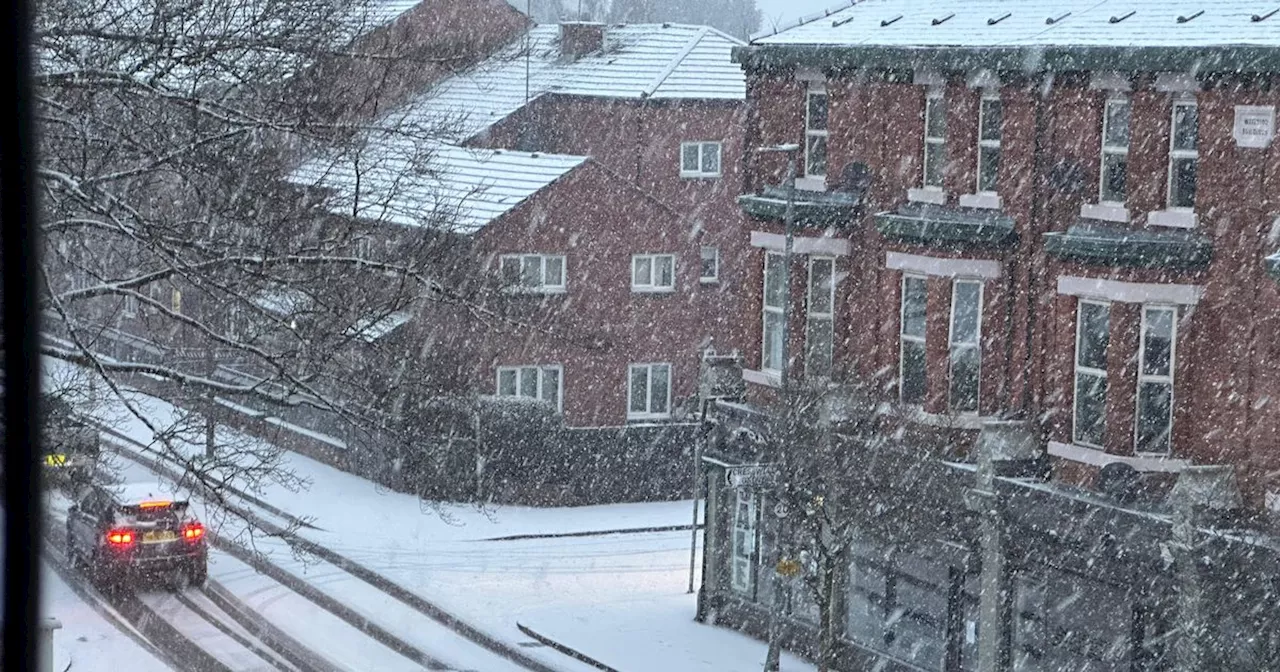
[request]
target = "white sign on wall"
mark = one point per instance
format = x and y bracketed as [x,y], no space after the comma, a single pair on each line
[1255,125]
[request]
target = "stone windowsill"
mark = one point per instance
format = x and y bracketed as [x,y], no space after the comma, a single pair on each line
[766,377]
[927,195]
[1107,212]
[1178,219]
[985,201]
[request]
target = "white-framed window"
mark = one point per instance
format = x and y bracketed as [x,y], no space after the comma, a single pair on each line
[912,374]
[746,535]
[648,391]
[990,115]
[820,327]
[700,159]
[935,139]
[535,273]
[1113,182]
[710,270]
[775,296]
[815,133]
[1093,336]
[532,382]
[129,305]
[175,300]
[965,345]
[1154,430]
[653,272]
[1184,153]
[364,248]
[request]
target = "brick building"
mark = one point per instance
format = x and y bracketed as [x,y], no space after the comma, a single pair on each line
[1057,214]
[625,253]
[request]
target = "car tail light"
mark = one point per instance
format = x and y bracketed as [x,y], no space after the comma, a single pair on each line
[193,532]
[120,538]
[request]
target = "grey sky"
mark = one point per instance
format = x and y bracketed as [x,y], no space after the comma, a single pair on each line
[780,11]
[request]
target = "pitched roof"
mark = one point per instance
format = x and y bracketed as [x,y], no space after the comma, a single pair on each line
[1037,23]
[443,186]
[638,61]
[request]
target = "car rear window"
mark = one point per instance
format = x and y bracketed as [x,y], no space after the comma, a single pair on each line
[154,512]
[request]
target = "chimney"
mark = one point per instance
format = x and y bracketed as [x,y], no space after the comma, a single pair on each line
[578,38]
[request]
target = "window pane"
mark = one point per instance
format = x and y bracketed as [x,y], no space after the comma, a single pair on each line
[816,156]
[992,110]
[988,168]
[1115,169]
[659,388]
[1157,342]
[689,157]
[935,123]
[507,382]
[1182,186]
[913,372]
[913,306]
[553,271]
[1155,416]
[1094,335]
[639,389]
[710,263]
[935,156]
[529,382]
[817,120]
[1091,411]
[551,386]
[664,271]
[642,271]
[531,271]
[711,158]
[966,367]
[1186,127]
[966,302]
[773,290]
[772,345]
[818,345]
[1117,124]
[820,276]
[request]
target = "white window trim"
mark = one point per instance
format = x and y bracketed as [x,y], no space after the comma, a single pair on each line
[976,345]
[988,144]
[702,257]
[543,288]
[1107,291]
[1152,378]
[815,133]
[827,247]
[1177,154]
[649,415]
[982,269]
[699,173]
[934,96]
[363,248]
[1076,370]
[1101,458]
[652,287]
[765,310]
[743,582]
[129,306]
[541,369]
[902,327]
[811,315]
[1111,151]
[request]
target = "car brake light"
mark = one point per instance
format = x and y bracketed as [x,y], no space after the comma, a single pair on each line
[120,537]
[193,532]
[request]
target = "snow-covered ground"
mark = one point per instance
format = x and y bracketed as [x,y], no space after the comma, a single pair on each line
[87,642]
[619,597]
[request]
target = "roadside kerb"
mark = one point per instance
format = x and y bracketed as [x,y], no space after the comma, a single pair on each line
[565,649]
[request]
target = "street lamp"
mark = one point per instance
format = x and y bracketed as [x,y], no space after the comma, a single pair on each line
[772,658]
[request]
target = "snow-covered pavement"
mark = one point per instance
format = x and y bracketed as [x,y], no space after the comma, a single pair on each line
[87,642]
[620,598]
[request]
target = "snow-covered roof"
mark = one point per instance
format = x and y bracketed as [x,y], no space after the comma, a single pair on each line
[1036,23]
[374,14]
[370,329]
[638,61]
[284,301]
[456,188]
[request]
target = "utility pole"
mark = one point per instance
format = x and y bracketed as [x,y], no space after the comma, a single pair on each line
[776,598]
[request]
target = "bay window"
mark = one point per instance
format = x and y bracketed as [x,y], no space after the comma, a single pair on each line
[1155,380]
[912,374]
[774,297]
[965,345]
[1093,336]
[820,328]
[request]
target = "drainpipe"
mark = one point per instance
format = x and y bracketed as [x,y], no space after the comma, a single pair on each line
[1038,194]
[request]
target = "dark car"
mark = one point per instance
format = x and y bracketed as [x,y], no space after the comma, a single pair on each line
[138,533]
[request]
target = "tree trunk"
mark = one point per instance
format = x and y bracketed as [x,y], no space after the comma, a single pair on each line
[826,609]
